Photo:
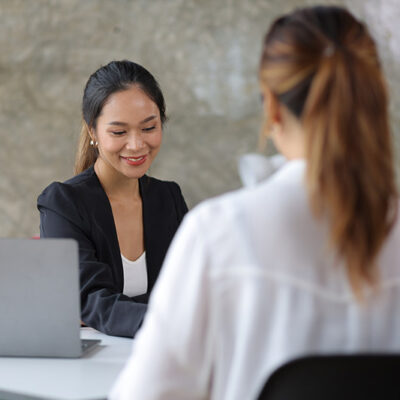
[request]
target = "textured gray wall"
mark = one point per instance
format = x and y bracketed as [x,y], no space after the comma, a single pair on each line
[204,54]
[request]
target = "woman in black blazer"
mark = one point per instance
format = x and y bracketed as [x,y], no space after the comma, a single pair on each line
[122,219]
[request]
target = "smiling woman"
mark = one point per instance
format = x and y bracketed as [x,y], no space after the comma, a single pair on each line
[122,219]
[126,139]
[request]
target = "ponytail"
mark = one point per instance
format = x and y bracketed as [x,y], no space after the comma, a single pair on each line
[86,154]
[323,65]
[350,174]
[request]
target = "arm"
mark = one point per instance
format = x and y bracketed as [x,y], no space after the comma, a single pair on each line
[172,354]
[103,306]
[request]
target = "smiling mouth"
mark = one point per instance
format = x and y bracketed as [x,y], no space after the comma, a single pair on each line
[135,160]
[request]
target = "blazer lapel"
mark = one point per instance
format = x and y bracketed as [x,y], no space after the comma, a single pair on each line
[150,231]
[103,218]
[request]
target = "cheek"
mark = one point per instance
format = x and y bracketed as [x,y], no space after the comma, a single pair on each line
[155,140]
[110,146]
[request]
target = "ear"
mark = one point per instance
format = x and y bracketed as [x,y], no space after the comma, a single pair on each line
[272,114]
[92,133]
[272,107]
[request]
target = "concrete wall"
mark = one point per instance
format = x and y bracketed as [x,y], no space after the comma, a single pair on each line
[203,52]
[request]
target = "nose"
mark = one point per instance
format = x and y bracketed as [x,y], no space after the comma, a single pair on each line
[135,141]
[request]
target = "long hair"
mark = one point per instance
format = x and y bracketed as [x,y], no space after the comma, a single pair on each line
[322,64]
[107,80]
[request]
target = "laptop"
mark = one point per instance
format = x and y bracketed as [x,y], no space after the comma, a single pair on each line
[39,299]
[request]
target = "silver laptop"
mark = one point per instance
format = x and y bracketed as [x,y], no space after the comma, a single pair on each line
[39,299]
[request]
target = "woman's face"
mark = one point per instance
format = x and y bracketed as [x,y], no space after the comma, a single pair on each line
[128,132]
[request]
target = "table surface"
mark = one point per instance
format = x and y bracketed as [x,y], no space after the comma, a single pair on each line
[87,378]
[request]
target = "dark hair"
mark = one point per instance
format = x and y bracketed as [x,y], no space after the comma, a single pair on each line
[322,64]
[107,80]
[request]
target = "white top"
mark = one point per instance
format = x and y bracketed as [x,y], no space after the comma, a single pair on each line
[135,276]
[254,167]
[248,284]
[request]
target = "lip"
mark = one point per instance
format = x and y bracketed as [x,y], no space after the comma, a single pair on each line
[135,160]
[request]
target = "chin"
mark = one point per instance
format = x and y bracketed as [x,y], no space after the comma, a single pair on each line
[135,174]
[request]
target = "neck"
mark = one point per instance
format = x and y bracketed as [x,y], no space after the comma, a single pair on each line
[292,140]
[116,185]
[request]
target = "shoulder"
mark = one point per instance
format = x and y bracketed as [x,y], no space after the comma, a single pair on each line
[163,198]
[61,192]
[149,181]
[214,220]
[280,198]
[158,186]
[83,178]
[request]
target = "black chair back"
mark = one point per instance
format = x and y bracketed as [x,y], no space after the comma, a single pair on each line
[336,377]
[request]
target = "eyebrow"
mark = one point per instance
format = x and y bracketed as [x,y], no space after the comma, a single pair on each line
[119,123]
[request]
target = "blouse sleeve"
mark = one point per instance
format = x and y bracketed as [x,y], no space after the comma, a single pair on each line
[103,307]
[172,354]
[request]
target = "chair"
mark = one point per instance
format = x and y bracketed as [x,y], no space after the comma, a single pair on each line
[336,377]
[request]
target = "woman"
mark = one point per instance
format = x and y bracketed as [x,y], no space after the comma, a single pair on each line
[307,261]
[122,219]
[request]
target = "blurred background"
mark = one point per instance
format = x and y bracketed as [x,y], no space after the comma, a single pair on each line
[204,54]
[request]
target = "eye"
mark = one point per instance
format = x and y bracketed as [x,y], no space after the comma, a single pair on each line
[118,133]
[150,128]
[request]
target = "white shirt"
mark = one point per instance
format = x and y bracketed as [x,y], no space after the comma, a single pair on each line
[135,275]
[248,284]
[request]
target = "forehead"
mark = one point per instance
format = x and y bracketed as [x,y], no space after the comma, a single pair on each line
[129,105]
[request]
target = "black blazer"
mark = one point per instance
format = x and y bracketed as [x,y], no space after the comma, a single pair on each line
[79,208]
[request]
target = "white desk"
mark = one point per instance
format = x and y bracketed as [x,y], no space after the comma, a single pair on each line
[86,378]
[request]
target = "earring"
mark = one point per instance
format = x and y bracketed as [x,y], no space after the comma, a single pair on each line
[92,143]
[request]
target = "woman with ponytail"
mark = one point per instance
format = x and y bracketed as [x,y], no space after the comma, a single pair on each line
[305,262]
[122,219]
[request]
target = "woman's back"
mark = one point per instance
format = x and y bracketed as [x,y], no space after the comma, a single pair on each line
[277,290]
